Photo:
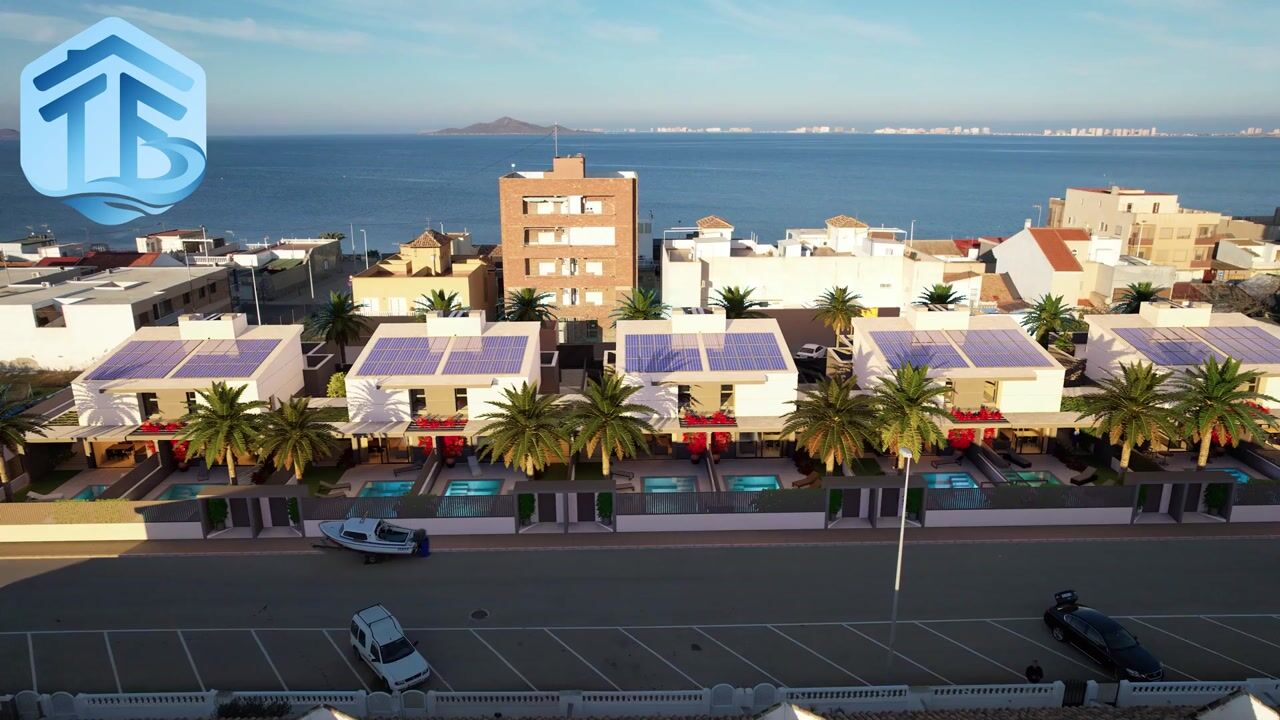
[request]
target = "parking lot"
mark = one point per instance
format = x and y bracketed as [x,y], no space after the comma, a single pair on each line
[482,656]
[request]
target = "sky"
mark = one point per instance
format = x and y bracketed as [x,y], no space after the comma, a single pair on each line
[382,66]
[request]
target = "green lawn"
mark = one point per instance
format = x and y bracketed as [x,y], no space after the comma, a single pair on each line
[332,414]
[48,484]
[312,477]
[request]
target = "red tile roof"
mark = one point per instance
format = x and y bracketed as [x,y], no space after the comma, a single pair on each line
[1053,243]
[103,260]
[714,221]
[845,221]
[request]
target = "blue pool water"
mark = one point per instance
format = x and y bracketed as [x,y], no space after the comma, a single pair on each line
[752,483]
[182,491]
[950,480]
[90,493]
[1241,476]
[464,488]
[670,484]
[386,488]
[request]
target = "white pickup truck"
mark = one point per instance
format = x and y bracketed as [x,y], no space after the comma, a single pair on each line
[376,636]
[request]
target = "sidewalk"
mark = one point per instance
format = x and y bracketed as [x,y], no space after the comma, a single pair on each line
[643,541]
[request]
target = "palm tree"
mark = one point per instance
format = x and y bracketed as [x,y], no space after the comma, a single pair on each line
[528,305]
[833,421]
[339,322]
[528,430]
[1131,408]
[1135,295]
[940,294]
[222,427]
[641,304]
[294,436]
[607,419]
[837,308]
[436,301]
[737,303]
[909,406]
[14,427]
[1050,315]
[1217,400]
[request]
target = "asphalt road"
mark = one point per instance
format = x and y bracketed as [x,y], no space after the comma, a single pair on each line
[634,619]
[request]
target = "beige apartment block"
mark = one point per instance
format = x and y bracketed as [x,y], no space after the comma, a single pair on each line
[395,285]
[571,234]
[1152,225]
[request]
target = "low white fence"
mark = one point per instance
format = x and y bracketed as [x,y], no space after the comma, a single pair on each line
[1255,513]
[721,700]
[1029,517]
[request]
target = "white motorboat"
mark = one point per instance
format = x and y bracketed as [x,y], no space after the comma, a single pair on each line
[372,536]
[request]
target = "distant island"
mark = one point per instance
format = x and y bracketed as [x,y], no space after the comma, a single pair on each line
[509,126]
[8,134]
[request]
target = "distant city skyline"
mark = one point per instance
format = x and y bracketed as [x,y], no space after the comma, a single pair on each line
[403,66]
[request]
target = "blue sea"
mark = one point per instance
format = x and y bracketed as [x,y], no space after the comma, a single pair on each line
[392,186]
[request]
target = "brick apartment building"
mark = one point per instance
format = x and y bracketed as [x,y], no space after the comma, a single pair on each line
[573,235]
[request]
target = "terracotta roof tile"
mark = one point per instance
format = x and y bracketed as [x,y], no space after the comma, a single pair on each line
[1053,243]
[714,221]
[430,239]
[845,221]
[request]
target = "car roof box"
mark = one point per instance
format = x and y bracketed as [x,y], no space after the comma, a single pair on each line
[1066,597]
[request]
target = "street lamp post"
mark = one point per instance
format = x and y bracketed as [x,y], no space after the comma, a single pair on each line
[1039,210]
[253,277]
[366,248]
[310,280]
[907,455]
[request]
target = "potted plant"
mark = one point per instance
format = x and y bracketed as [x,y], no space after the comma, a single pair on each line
[604,507]
[180,454]
[719,443]
[525,506]
[697,444]
[217,509]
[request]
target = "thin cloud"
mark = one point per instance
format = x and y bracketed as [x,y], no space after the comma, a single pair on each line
[610,31]
[244,29]
[762,19]
[42,29]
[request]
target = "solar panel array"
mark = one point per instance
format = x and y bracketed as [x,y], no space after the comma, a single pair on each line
[1246,344]
[1169,346]
[404,356]
[928,347]
[487,355]
[663,352]
[144,359]
[999,348]
[743,351]
[227,359]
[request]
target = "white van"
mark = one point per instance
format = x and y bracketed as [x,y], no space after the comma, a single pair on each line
[377,637]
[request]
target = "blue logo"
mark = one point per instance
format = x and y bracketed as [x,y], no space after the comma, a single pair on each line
[113,123]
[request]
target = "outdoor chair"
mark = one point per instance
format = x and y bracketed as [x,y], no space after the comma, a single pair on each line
[32,494]
[1084,478]
[811,480]
[1017,459]
[940,463]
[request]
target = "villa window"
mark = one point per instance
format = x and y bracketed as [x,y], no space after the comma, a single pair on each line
[417,402]
[1155,207]
[990,391]
[191,402]
[148,404]
[726,397]
[459,399]
[684,396]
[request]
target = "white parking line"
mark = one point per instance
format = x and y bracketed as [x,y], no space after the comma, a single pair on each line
[1208,650]
[504,660]
[966,647]
[653,652]
[267,655]
[347,661]
[896,653]
[1064,656]
[106,640]
[818,655]
[31,654]
[594,669]
[733,652]
[1248,635]
[194,670]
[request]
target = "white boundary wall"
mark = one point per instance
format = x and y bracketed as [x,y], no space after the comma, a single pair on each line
[1255,513]
[1035,516]
[440,526]
[55,532]
[721,521]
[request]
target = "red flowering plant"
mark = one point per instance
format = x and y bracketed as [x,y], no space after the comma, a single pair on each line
[429,422]
[426,444]
[154,426]
[720,417]
[180,450]
[981,415]
[453,445]
[960,438]
[696,442]
[719,442]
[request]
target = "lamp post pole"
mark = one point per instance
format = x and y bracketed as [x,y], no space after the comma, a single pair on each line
[257,309]
[366,248]
[902,534]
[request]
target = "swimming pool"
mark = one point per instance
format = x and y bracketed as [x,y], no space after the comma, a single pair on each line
[950,480]
[752,483]
[386,488]
[1241,476]
[182,491]
[468,488]
[1031,478]
[90,493]
[665,484]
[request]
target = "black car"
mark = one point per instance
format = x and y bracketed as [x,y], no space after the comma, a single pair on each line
[1101,638]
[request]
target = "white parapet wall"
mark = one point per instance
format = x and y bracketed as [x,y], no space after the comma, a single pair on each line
[1255,513]
[1029,517]
[722,521]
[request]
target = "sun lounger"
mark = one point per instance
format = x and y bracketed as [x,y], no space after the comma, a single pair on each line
[32,494]
[812,480]
[624,486]
[940,463]
[1017,459]
[1084,477]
